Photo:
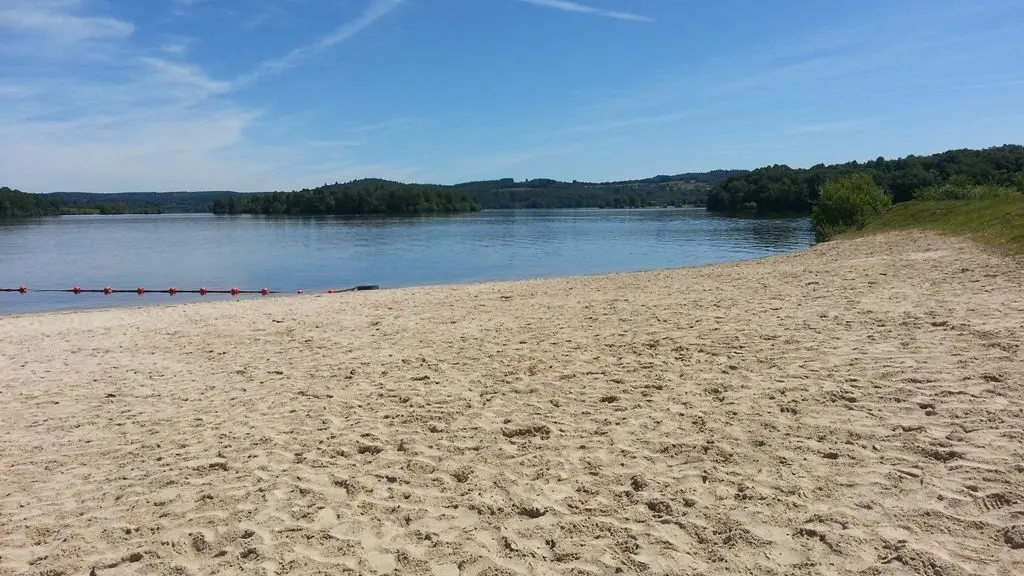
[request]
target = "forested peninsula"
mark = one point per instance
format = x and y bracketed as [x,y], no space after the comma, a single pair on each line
[369,196]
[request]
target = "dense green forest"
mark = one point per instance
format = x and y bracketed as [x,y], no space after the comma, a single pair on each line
[137,202]
[383,197]
[781,189]
[369,196]
[679,190]
[18,204]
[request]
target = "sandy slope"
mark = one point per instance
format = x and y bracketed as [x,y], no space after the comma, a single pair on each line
[857,409]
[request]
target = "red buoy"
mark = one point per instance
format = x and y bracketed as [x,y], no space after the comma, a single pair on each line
[172,291]
[77,290]
[202,291]
[22,289]
[264,291]
[107,291]
[140,290]
[234,291]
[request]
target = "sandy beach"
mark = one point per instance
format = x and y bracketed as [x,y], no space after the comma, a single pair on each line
[854,409]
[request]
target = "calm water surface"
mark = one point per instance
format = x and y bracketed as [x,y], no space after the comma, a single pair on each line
[191,251]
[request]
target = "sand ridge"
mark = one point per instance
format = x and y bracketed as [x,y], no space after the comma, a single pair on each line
[853,409]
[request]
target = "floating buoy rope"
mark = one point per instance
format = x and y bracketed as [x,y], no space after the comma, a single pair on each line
[108,291]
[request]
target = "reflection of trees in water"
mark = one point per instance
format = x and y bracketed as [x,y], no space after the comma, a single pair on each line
[372,221]
[492,230]
[773,234]
[779,234]
[547,231]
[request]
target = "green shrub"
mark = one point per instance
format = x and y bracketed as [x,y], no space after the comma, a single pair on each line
[847,204]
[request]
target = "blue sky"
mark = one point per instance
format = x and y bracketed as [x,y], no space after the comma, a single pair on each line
[119,95]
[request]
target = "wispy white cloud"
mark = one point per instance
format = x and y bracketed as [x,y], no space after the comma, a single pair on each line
[175,48]
[487,165]
[627,122]
[185,8]
[567,6]
[384,125]
[138,119]
[59,21]
[830,127]
[9,91]
[189,81]
[951,84]
[256,19]
[816,61]
[755,84]
[376,10]
[333,143]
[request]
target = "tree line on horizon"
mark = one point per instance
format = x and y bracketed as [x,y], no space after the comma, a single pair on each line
[362,197]
[688,189]
[17,204]
[779,189]
[369,196]
[374,196]
[138,202]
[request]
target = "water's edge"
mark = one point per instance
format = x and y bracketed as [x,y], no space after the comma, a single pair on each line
[314,254]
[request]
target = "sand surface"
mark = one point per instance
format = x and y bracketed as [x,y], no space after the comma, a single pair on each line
[855,409]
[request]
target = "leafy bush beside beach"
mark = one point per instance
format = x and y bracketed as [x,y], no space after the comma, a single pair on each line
[847,204]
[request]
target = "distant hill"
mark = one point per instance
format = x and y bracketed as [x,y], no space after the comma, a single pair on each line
[368,196]
[680,190]
[375,196]
[137,202]
[688,189]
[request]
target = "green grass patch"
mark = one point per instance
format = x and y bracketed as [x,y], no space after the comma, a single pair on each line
[998,222]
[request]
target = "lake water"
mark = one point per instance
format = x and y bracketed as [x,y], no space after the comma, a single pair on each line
[314,254]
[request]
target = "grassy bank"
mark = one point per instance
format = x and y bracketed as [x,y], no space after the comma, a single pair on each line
[997,222]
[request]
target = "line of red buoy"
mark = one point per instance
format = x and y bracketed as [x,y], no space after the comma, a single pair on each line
[107,291]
